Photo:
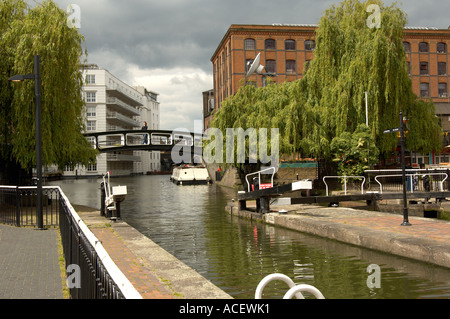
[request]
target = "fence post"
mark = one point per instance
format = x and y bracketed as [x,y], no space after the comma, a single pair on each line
[17,207]
[102,199]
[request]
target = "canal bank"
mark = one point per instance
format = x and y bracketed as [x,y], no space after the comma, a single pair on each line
[155,273]
[427,240]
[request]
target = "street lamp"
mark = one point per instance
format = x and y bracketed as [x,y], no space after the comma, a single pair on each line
[37,89]
[402,144]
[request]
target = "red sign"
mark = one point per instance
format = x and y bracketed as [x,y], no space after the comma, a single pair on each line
[264,186]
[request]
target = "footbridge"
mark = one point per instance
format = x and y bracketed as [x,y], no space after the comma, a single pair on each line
[147,140]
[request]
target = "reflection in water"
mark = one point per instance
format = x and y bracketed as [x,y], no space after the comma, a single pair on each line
[190,222]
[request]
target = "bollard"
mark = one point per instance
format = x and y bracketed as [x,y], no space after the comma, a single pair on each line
[102,199]
[116,212]
[264,205]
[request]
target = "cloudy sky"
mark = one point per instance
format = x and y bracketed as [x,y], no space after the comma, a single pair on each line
[166,45]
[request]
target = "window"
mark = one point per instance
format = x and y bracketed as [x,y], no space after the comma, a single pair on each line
[91,140]
[92,167]
[442,68]
[423,47]
[424,89]
[408,66]
[90,78]
[91,97]
[442,89]
[310,45]
[91,126]
[271,66]
[290,66]
[269,44]
[91,111]
[423,68]
[441,47]
[289,45]
[249,44]
[407,46]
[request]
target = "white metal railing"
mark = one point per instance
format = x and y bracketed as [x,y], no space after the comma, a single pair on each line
[123,105]
[116,274]
[412,175]
[345,182]
[120,117]
[294,290]
[259,176]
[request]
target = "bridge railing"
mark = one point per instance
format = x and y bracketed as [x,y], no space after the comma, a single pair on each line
[138,139]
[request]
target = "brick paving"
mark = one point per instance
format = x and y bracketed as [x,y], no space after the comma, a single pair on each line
[143,280]
[421,228]
[29,263]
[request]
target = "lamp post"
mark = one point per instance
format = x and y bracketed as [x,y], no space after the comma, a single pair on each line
[402,144]
[37,89]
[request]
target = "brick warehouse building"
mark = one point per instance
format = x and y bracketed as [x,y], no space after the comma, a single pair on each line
[286,49]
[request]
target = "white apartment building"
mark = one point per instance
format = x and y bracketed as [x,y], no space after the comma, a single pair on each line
[112,105]
[150,160]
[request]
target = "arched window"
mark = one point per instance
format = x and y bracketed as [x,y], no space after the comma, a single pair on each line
[269,44]
[289,44]
[271,66]
[407,46]
[423,47]
[441,47]
[249,44]
[424,89]
[290,66]
[442,89]
[423,68]
[310,45]
[442,68]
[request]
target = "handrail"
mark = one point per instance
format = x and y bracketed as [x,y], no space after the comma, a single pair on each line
[116,274]
[294,290]
[345,182]
[107,185]
[411,175]
[259,175]
[306,288]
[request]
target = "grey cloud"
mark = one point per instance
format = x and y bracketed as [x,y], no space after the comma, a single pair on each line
[169,33]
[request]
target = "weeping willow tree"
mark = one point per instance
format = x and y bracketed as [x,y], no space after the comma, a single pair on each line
[44,31]
[252,109]
[324,114]
[352,58]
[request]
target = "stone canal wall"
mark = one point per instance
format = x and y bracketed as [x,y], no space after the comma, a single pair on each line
[154,272]
[427,240]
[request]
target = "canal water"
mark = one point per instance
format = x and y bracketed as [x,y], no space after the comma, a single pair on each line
[235,254]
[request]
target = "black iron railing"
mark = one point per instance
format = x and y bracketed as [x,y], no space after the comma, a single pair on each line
[18,206]
[91,272]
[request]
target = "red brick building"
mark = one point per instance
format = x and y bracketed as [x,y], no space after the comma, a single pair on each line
[286,49]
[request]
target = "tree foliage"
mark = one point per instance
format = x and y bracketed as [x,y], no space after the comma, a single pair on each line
[319,112]
[43,30]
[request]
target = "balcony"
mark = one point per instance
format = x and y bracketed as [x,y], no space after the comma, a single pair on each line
[128,96]
[123,158]
[119,105]
[118,119]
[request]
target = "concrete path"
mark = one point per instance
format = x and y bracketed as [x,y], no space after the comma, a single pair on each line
[29,266]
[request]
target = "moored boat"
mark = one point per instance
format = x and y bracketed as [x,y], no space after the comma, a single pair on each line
[188,175]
